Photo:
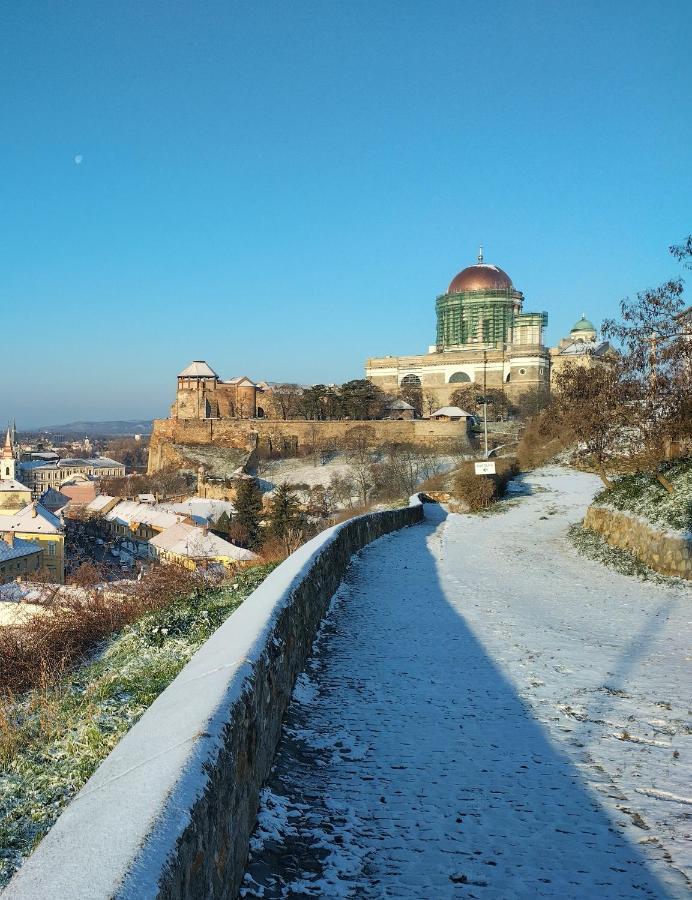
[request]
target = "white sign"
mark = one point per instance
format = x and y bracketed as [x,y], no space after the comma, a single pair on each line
[485,468]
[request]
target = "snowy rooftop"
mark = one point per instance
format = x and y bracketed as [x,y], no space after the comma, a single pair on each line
[194,543]
[100,502]
[10,485]
[54,500]
[129,511]
[198,369]
[453,412]
[33,519]
[240,379]
[98,462]
[18,549]
[203,511]
[579,348]
[399,404]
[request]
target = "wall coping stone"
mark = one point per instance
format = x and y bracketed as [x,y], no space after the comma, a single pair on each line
[119,834]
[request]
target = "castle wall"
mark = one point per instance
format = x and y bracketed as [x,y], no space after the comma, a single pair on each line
[248,433]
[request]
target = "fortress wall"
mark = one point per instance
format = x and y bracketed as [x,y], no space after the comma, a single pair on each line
[246,433]
[170,811]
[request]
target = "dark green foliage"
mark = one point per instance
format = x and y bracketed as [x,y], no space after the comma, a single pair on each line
[248,505]
[223,523]
[286,514]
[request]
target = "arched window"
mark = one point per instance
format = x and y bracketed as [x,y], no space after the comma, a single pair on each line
[411,380]
[458,377]
[509,377]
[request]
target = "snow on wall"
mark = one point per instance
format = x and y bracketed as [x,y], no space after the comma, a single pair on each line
[169,812]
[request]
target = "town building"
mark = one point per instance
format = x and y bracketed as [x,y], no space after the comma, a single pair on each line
[453,414]
[400,409]
[191,546]
[39,475]
[37,524]
[168,532]
[19,559]
[483,336]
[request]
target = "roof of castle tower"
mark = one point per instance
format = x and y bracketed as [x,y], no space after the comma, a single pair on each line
[198,369]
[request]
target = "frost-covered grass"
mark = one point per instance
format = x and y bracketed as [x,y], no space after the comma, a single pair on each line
[52,740]
[643,495]
[595,547]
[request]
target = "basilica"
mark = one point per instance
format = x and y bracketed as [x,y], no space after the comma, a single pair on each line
[484,337]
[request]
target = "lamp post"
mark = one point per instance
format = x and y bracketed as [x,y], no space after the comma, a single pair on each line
[484,401]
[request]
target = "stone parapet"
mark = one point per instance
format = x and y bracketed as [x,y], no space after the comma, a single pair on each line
[169,812]
[668,552]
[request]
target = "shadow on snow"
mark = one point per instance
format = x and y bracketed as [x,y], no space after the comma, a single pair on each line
[416,770]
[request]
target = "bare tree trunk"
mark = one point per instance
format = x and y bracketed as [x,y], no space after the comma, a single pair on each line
[602,475]
[664,481]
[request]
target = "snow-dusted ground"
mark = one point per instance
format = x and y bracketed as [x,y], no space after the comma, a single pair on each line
[487,714]
[304,471]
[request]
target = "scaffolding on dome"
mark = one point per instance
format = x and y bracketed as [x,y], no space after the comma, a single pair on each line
[463,319]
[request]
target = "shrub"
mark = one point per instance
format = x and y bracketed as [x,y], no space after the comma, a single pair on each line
[541,440]
[479,491]
[73,623]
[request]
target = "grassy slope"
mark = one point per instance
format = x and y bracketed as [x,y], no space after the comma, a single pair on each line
[52,741]
[644,496]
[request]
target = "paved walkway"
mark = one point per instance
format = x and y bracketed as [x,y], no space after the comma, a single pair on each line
[488,715]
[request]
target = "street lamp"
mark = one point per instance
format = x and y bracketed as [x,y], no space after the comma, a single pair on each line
[484,399]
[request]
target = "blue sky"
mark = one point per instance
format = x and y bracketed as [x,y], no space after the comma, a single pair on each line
[282,188]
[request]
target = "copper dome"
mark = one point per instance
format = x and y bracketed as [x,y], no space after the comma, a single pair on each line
[481,277]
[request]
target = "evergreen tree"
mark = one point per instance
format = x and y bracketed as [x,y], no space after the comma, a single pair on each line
[248,506]
[285,512]
[222,524]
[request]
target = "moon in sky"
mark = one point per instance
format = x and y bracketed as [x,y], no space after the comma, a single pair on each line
[78,159]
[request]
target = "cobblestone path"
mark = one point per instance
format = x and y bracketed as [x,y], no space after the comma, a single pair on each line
[456,731]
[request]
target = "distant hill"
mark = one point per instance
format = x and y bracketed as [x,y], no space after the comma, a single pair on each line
[98,429]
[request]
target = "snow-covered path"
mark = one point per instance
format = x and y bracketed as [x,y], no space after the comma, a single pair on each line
[487,714]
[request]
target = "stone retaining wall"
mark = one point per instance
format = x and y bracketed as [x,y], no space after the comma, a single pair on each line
[169,812]
[295,433]
[668,552]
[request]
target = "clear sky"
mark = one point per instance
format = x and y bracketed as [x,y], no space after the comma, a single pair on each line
[282,188]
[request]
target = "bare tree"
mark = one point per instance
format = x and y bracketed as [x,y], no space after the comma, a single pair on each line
[358,444]
[589,402]
[655,331]
[286,399]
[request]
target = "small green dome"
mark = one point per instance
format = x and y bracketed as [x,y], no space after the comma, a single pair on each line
[583,325]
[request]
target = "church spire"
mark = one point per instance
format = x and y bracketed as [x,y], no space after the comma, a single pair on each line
[8,452]
[480,255]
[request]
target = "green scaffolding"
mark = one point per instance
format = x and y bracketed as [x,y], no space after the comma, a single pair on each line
[467,318]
